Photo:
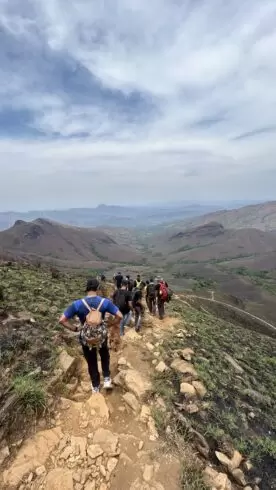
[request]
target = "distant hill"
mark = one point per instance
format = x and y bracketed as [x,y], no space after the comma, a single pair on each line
[50,240]
[213,242]
[260,216]
[115,216]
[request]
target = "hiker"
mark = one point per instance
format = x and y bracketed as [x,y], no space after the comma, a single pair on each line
[151,296]
[122,298]
[118,279]
[93,337]
[162,295]
[138,281]
[130,284]
[138,308]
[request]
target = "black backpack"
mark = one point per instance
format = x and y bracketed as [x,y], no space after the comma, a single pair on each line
[121,300]
[151,290]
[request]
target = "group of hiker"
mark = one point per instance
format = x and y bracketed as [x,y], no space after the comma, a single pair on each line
[93,309]
[128,296]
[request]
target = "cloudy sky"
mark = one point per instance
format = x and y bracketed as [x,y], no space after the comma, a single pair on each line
[123,101]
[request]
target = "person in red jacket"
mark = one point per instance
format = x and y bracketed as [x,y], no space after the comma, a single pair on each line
[161,296]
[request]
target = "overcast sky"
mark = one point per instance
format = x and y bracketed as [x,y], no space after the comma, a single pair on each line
[121,101]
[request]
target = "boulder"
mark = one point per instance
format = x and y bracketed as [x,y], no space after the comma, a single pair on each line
[132,401]
[161,367]
[107,441]
[187,389]
[184,367]
[67,364]
[134,382]
[59,479]
[229,464]
[95,411]
[200,388]
[33,453]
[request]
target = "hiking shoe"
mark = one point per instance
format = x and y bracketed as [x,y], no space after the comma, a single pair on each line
[107,384]
[95,389]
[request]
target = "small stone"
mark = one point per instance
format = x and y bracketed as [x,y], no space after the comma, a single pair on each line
[40,470]
[154,362]
[131,401]
[200,388]
[103,470]
[103,486]
[184,367]
[150,346]
[248,465]
[111,464]
[238,475]
[30,477]
[94,451]
[141,445]
[148,473]
[192,408]
[161,367]
[145,413]
[90,485]
[251,415]
[187,354]
[187,389]
[122,362]
[86,387]
[78,486]
[4,454]
[66,453]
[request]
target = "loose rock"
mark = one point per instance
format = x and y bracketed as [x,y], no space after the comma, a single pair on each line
[187,389]
[161,367]
[132,401]
[200,388]
[94,451]
[148,473]
[107,440]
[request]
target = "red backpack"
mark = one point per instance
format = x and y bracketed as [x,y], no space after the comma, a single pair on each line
[163,291]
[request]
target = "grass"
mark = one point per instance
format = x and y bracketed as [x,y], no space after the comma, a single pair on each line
[191,477]
[31,394]
[231,396]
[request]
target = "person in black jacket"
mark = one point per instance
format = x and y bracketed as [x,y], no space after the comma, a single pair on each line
[151,296]
[138,308]
[122,298]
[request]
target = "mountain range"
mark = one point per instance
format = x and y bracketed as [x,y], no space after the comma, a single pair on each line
[83,247]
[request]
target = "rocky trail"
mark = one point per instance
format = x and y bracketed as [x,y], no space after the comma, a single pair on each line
[101,441]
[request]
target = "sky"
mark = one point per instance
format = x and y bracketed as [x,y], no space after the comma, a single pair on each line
[134,101]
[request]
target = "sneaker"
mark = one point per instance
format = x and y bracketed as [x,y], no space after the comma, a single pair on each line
[107,384]
[95,389]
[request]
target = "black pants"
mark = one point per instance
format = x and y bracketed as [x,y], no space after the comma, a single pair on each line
[151,302]
[161,308]
[91,356]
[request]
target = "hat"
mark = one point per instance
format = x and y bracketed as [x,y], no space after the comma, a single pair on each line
[92,284]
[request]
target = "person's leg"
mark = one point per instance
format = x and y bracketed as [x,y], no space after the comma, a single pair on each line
[148,301]
[91,359]
[105,361]
[161,309]
[138,315]
[123,324]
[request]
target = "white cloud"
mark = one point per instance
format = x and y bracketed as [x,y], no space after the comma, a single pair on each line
[172,96]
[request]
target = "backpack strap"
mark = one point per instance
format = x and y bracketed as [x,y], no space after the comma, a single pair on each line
[101,303]
[86,304]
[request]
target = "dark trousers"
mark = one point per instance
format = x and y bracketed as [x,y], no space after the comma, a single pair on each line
[161,308]
[151,302]
[138,312]
[91,356]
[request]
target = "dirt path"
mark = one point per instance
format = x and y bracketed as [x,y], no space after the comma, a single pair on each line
[103,441]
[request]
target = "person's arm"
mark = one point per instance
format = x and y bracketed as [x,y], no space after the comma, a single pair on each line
[65,318]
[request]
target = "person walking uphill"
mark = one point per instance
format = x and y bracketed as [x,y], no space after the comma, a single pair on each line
[122,298]
[91,312]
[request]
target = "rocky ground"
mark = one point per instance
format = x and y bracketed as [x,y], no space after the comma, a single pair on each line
[171,422]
